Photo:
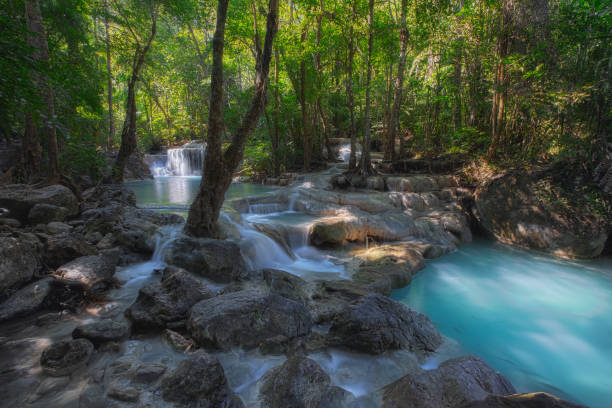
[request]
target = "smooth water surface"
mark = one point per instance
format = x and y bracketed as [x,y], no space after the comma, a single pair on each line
[180,191]
[544,323]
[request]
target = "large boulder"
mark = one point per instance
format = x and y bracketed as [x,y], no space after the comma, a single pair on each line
[102,331]
[199,381]
[542,210]
[375,324]
[65,357]
[26,300]
[246,319]
[20,200]
[455,382]
[94,271]
[63,248]
[20,259]
[167,301]
[301,383]
[219,261]
[329,232]
[533,400]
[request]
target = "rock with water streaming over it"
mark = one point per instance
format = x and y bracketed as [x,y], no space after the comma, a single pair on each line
[65,357]
[167,301]
[219,261]
[533,400]
[199,381]
[246,319]
[301,383]
[375,324]
[455,382]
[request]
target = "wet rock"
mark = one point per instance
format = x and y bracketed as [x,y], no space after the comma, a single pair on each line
[149,373]
[167,301]
[533,400]
[46,213]
[331,298]
[19,259]
[26,300]
[63,248]
[102,331]
[328,232]
[64,357]
[376,183]
[220,261]
[454,383]
[376,324]
[20,199]
[10,222]
[246,319]
[541,211]
[387,267]
[199,381]
[94,271]
[54,228]
[178,342]
[301,383]
[285,284]
[125,393]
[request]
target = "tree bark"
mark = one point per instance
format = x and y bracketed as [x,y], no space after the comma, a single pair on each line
[304,108]
[128,133]
[365,164]
[220,166]
[394,126]
[349,91]
[275,135]
[37,39]
[111,119]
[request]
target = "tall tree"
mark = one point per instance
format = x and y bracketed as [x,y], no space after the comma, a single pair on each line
[111,119]
[37,39]
[365,164]
[128,133]
[393,126]
[349,89]
[220,166]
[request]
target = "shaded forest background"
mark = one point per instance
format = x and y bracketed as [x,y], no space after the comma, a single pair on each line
[511,81]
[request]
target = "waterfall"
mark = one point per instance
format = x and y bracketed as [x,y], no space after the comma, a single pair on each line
[344,152]
[187,160]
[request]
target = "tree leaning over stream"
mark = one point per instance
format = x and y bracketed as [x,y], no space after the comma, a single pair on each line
[220,165]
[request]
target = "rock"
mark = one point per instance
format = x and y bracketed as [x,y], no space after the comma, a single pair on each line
[149,373]
[220,261]
[533,400]
[387,267]
[376,183]
[198,381]
[167,301]
[102,331]
[26,300]
[376,324]
[179,343]
[63,248]
[123,393]
[20,199]
[328,232]
[19,259]
[300,383]
[10,222]
[285,284]
[94,271]
[542,210]
[455,382]
[45,213]
[65,357]
[54,228]
[246,319]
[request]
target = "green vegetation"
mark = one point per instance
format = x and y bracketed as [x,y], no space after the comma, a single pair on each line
[513,81]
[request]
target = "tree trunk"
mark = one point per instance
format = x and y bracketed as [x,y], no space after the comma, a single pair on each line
[37,39]
[394,126]
[220,166]
[349,91]
[275,136]
[128,133]
[109,73]
[457,119]
[319,104]
[304,108]
[366,165]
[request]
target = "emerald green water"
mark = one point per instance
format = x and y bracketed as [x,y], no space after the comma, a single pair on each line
[546,324]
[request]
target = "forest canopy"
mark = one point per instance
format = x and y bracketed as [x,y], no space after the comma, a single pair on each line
[520,81]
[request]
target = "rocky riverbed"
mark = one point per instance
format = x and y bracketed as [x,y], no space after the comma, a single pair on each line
[105,304]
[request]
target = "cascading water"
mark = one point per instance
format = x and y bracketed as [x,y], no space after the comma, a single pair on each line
[344,152]
[187,160]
